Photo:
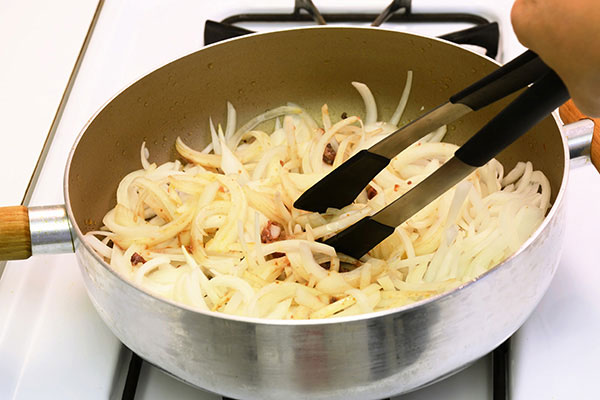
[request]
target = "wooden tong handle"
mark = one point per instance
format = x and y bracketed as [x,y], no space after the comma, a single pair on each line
[570,113]
[15,238]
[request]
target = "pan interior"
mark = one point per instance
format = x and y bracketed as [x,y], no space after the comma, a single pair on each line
[308,67]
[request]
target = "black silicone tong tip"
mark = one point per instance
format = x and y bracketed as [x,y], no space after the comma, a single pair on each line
[350,178]
[358,239]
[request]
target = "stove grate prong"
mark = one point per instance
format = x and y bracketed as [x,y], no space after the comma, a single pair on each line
[311,9]
[396,6]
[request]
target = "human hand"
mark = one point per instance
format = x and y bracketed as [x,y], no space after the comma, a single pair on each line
[566,35]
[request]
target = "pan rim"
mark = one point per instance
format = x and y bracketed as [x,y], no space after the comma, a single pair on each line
[307,322]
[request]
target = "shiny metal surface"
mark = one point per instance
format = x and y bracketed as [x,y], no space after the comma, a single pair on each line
[445,177]
[362,357]
[407,135]
[579,137]
[50,230]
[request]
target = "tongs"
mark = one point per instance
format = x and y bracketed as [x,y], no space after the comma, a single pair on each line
[342,185]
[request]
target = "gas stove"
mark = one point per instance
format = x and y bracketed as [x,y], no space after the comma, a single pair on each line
[54,345]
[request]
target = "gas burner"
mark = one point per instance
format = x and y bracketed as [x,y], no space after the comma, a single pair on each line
[483,34]
[397,11]
[499,375]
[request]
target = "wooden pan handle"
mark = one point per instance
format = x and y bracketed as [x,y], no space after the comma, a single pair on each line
[15,238]
[570,113]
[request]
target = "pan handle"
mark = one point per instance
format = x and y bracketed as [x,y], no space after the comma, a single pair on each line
[15,239]
[569,113]
[36,230]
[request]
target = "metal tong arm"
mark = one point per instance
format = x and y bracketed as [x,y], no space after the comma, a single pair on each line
[341,186]
[516,119]
[507,79]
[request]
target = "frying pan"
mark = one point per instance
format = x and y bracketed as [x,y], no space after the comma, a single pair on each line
[368,356]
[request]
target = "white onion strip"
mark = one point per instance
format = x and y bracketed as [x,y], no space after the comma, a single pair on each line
[220,233]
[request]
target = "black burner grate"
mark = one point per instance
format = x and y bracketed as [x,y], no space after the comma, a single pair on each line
[485,33]
[500,374]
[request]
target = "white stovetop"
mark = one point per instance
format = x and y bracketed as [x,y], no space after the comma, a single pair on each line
[52,343]
[39,43]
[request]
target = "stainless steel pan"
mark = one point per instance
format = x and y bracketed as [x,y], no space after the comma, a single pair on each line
[362,357]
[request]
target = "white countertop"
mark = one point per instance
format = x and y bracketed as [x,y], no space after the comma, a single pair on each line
[39,44]
[555,353]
